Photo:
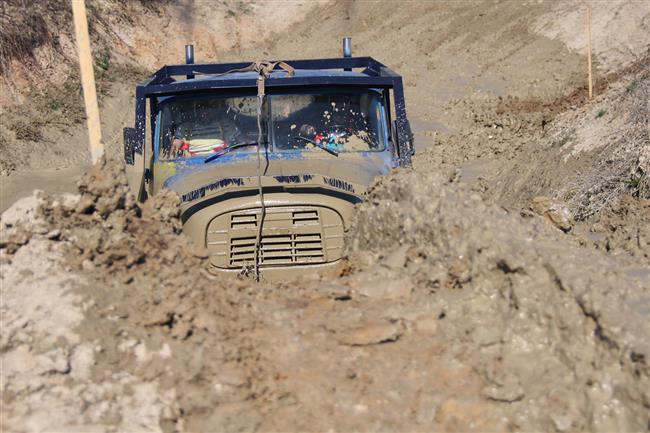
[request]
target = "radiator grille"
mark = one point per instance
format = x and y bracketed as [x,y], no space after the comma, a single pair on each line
[278,250]
[300,235]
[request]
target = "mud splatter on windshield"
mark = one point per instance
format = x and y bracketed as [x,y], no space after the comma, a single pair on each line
[343,122]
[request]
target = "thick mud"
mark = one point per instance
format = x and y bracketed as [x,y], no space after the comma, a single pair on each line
[451,314]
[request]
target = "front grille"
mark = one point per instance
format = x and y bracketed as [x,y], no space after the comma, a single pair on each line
[278,250]
[300,235]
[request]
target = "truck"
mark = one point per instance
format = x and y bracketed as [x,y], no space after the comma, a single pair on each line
[268,161]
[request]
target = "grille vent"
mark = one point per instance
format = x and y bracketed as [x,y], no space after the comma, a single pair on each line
[278,249]
[296,235]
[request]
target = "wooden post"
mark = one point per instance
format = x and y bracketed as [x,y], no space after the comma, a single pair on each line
[88,80]
[591,85]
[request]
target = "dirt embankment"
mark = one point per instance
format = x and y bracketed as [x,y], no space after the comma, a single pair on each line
[114,291]
[38,46]
[595,159]
[481,321]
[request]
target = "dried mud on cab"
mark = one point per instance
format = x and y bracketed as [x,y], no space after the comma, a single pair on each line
[449,312]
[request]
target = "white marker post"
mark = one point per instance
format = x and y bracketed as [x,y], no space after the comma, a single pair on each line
[88,80]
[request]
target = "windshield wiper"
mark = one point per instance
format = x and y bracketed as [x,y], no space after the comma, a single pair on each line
[227,150]
[320,146]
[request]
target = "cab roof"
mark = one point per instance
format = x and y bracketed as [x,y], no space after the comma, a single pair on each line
[346,71]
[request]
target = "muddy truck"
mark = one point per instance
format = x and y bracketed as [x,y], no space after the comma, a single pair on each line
[269,161]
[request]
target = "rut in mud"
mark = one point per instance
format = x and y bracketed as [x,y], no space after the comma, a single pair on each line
[480,321]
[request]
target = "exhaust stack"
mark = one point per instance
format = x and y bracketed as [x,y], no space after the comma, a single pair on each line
[347,49]
[189,58]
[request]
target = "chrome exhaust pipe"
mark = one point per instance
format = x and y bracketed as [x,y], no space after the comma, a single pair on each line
[347,49]
[189,58]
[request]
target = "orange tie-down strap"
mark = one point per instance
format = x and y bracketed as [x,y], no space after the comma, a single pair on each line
[263,69]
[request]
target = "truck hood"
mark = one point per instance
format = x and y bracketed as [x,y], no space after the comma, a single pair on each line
[195,180]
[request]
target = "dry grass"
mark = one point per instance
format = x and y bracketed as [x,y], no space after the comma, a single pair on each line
[623,165]
[28,24]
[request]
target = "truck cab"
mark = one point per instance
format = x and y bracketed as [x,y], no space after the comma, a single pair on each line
[268,176]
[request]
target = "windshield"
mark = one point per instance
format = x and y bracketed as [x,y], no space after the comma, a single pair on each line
[206,125]
[341,121]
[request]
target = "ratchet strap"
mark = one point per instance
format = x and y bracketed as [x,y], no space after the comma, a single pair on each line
[264,69]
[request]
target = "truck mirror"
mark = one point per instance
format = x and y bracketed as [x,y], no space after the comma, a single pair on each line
[393,134]
[408,146]
[411,142]
[130,139]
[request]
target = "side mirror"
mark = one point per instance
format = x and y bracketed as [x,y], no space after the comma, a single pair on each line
[405,147]
[393,136]
[411,142]
[130,140]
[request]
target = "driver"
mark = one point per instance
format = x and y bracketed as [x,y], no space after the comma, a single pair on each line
[307,130]
[180,147]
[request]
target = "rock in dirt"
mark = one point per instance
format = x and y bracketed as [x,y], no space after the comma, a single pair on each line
[372,332]
[381,284]
[555,212]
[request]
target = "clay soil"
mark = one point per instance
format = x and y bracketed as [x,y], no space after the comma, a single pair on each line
[502,284]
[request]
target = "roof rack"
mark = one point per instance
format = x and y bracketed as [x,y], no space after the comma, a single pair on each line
[172,78]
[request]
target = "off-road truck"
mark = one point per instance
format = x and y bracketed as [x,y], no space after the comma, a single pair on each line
[276,188]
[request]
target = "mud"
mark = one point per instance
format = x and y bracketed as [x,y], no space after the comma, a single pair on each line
[446,326]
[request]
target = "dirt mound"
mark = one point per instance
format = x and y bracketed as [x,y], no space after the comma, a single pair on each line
[519,301]
[446,317]
[139,313]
